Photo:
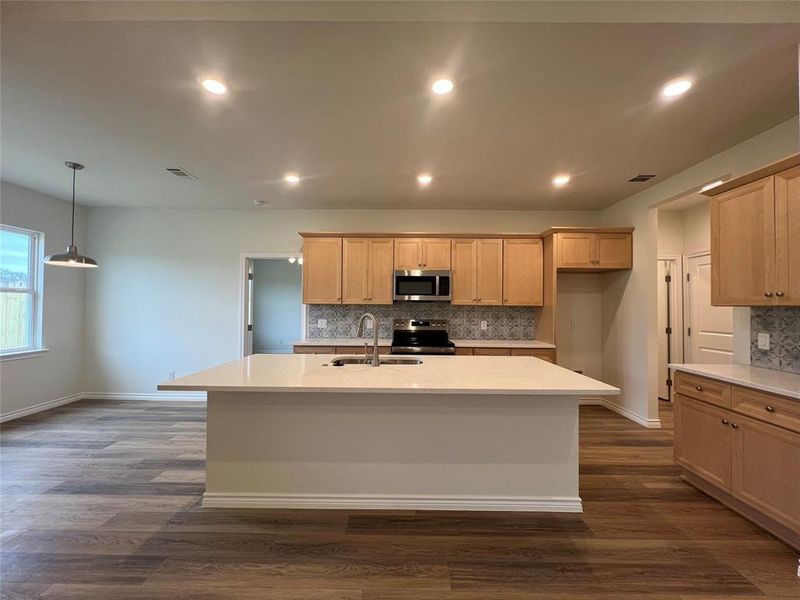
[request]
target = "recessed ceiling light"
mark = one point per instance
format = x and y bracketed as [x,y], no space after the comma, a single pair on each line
[442,86]
[424,179]
[676,88]
[560,180]
[711,185]
[292,178]
[214,86]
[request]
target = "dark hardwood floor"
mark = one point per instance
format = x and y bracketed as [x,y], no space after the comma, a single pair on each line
[100,500]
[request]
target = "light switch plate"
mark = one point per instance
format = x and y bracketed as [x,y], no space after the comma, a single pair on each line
[763,341]
[369,324]
[484,325]
[322,323]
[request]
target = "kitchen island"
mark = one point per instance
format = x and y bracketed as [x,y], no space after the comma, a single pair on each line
[458,433]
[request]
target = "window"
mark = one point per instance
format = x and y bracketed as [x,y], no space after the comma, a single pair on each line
[20,290]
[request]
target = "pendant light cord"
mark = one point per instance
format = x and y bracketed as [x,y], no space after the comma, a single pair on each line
[72,234]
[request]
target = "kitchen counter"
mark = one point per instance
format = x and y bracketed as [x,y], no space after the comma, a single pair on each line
[458,343]
[472,375]
[453,433]
[766,380]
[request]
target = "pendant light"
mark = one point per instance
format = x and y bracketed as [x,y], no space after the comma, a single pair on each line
[71,258]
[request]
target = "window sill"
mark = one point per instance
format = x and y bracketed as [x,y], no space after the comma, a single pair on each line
[23,354]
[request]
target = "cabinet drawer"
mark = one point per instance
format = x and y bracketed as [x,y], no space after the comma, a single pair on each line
[360,349]
[544,353]
[708,390]
[766,407]
[492,352]
[314,350]
[460,351]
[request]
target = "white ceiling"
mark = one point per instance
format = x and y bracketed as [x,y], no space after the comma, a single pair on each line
[347,104]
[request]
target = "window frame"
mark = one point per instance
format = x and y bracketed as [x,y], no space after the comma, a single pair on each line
[35,290]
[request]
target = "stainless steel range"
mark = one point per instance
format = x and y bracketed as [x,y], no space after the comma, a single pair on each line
[417,336]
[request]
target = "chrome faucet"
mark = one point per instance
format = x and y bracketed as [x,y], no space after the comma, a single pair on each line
[360,332]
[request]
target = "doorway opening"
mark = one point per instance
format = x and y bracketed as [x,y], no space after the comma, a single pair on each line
[273,313]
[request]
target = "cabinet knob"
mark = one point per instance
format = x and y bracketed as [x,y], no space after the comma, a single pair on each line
[724,421]
[699,388]
[768,294]
[735,425]
[769,408]
[779,294]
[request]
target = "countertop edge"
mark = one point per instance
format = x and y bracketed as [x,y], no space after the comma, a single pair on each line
[415,392]
[756,385]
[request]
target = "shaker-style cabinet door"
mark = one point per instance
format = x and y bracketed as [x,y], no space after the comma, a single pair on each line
[522,272]
[787,236]
[322,270]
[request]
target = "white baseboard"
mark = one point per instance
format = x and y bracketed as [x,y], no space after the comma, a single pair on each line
[649,423]
[42,406]
[361,502]
[154,396]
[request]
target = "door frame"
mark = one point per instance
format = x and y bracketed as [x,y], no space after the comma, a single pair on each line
[677,297]
[245,262]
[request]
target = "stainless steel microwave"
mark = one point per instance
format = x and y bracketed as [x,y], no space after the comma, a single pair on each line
[422,286]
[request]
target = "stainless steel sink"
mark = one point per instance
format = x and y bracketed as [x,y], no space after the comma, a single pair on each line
[406,360]
[362,360]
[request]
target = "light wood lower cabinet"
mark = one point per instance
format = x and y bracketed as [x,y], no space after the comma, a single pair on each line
[741,456]
[548,354]
[703,440]
[306,349]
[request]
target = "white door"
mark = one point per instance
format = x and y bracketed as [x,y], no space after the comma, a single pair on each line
[709,329]
[663,338]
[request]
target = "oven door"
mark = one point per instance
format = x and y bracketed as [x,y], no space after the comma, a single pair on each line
[422,286]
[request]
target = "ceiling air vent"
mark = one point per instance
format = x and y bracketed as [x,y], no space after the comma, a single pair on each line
[640,178]
[180,172]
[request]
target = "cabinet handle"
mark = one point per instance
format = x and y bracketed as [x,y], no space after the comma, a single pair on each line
[768,294]
[699,388]
[779,294]
[735,425]
[769,408]
[724,421]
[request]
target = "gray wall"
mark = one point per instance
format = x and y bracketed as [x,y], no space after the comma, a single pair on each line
[28,382]
[277,305]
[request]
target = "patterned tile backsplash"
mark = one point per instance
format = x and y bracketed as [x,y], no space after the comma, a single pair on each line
[504,322]
[783,326]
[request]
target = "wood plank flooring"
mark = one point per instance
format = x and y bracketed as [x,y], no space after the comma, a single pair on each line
[100,501]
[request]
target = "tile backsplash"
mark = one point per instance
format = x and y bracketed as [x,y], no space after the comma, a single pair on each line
[783,326]
[504,322]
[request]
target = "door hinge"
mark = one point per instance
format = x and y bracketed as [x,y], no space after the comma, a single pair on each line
[250,327]
[668,330]
[669,382]
[688,277]
[689,331]
[668,278]
[251,276]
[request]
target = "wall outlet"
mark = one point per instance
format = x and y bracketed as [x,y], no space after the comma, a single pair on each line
[572,325]
[484,325]
[322,323]
[171,375]
[763,341]
[369,324]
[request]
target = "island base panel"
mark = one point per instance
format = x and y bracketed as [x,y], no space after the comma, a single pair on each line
[343,450]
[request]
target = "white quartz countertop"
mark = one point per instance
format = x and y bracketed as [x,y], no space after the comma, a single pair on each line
[766,380]
[459,343]
[481,375]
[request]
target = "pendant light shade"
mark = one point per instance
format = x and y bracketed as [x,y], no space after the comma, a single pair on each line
[71,258]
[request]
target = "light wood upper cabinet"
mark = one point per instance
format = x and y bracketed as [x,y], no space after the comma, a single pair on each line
[367,270]
[766,464]
[322,270]
[477,267]
[703,440]
[787,236]
[743,270]
[432,254]
[522,272]
[593,251]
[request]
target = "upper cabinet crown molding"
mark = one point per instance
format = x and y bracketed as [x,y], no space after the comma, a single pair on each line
[783,164]
[755,242]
